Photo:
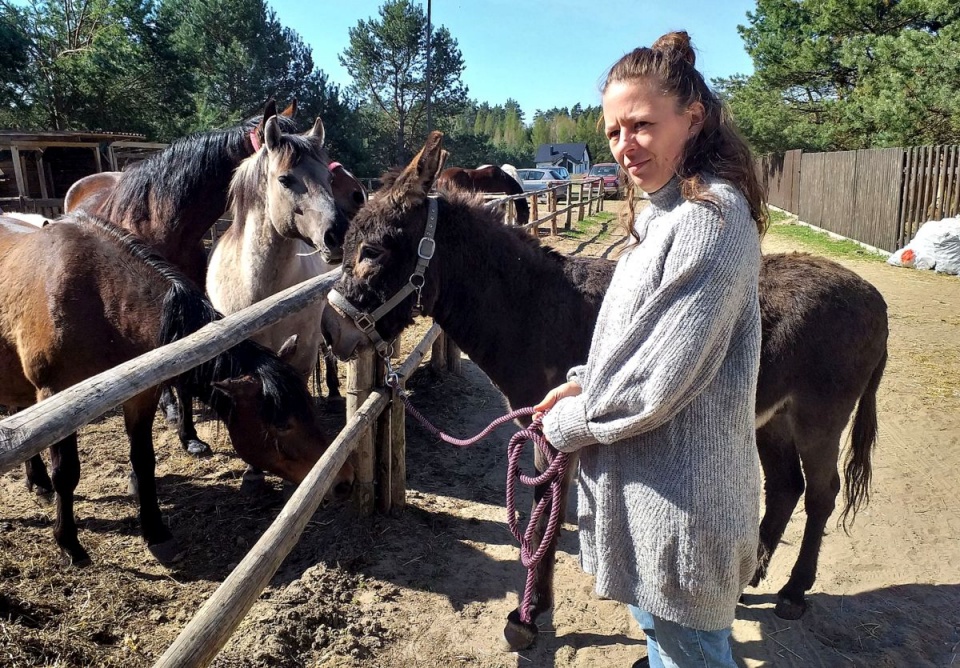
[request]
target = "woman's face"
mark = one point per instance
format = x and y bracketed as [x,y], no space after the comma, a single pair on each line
[646,131]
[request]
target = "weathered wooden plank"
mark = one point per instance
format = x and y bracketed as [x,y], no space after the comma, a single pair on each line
[360,381]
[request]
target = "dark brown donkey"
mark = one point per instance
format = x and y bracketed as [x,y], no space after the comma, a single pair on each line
[81,296]
[486,179]
[500,295]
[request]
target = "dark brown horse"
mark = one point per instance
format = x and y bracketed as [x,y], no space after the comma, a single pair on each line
[80,296]
[500,295]
[486,179]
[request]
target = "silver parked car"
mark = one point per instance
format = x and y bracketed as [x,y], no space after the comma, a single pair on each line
[538,178]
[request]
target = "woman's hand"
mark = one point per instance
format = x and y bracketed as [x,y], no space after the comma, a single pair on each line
[569,389]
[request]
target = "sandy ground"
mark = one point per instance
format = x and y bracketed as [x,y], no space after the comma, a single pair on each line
[432,586]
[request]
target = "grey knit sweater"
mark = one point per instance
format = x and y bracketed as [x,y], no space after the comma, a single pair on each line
[669,475]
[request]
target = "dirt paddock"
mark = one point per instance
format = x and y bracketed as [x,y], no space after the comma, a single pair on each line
[432,586]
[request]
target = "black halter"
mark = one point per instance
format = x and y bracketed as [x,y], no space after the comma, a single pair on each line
[366,322]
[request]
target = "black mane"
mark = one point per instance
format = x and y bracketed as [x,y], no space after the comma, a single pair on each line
[184,168]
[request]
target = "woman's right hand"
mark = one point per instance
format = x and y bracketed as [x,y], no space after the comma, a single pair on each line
[569,389]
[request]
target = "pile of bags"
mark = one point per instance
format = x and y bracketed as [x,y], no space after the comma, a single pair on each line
[936,246]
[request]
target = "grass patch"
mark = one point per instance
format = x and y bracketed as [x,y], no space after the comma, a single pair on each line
[783,226]
[597,227]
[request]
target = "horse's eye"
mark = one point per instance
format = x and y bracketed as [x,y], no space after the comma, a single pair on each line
[372,253]
[286,180]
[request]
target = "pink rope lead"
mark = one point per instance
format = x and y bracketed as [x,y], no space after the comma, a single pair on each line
[553,476]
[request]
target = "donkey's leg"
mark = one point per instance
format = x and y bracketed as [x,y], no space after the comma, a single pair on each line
[138,420]
[819,449]
[517,634]
[783,486]
[186,430]
[66,474]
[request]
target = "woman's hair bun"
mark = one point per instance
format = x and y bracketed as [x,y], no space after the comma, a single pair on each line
[676,45]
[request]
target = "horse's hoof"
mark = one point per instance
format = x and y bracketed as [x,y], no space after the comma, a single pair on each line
[43,492]
[253,482]
[517,635]
[167,552]
[76,557]
[791,610]
[171,415]
[197,448]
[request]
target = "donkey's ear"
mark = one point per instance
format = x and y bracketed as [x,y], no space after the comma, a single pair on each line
[444,154]
[422,171]
[317,131]
[271,134]
[291,109]
[288,349]
[241,387]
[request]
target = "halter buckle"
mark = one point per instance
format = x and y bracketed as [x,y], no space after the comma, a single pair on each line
[364,322]
[426,248]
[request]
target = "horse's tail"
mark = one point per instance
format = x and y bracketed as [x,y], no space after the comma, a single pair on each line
[857,470]
[523,211]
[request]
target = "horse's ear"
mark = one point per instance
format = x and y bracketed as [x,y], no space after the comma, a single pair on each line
[240,387]
[423,170]
[291,109]
[288,349]
[317,131]
[269,109]
[271,133]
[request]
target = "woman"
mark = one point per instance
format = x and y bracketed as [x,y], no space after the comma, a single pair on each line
[663,410]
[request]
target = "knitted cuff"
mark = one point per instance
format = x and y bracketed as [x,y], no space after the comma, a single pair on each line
[576,373]
[565,425]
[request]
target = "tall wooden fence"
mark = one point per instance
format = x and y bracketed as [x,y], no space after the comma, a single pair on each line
[877,196]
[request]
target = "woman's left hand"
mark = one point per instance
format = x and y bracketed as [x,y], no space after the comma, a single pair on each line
[569,389]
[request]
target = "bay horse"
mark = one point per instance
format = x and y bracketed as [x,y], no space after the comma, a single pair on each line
[277,205]
[499,294]
[173,198]
[486,179]
[81,296]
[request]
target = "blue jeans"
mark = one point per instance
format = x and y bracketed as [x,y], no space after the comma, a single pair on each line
[670,645]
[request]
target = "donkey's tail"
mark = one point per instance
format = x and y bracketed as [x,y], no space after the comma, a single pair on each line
[858,470]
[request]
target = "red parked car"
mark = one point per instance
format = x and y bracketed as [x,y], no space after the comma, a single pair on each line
[610,173]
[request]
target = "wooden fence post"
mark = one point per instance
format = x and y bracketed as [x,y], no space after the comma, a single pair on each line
[534,213]
[438,354]
[453,357]
[360,379]
[590,199]
[581,202]
[569,220]
[383,447]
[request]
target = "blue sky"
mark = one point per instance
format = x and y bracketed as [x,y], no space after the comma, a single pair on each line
[500,39]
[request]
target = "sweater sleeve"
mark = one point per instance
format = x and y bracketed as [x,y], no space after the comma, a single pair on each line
[675,342]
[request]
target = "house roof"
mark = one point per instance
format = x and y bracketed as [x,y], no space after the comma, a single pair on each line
[554,152]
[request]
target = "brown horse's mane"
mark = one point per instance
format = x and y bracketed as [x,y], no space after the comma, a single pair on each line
[185,310]
[184,167]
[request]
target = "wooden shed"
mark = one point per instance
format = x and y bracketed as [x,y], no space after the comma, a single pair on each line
[37,168]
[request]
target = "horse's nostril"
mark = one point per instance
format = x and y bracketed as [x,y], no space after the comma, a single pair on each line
[330,240]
